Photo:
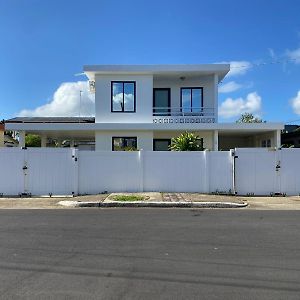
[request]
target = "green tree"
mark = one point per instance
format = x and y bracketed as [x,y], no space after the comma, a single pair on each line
[32,140]
[187,141]
[248,118]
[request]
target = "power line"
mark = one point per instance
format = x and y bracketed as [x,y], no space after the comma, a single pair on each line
[273,62]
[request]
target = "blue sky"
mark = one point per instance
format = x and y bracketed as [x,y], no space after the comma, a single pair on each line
[44,43]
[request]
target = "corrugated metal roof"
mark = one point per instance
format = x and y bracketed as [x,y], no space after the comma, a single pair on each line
[51,120]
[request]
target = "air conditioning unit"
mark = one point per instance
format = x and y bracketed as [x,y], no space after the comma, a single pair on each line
[92,86]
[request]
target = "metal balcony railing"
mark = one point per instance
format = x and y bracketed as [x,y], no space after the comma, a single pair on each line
[184,111]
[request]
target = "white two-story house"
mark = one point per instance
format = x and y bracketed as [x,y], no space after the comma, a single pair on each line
[145,106]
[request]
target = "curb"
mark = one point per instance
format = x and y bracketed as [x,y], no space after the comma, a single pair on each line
[155,204]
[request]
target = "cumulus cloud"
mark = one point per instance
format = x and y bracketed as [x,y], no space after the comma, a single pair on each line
[295,102]
[65,102]
[128,101]
[238,67]
[235,107]
[229,87]
[294,55]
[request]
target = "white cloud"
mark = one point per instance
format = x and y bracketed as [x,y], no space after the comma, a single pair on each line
[65,102]
[272,53]
[128,101]
[229,87]
[238,67]
[295,102]
[294,55]
[235,107]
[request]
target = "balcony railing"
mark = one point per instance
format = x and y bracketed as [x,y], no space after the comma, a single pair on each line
[183,115]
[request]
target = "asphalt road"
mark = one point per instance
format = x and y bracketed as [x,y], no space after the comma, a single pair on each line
[149,254]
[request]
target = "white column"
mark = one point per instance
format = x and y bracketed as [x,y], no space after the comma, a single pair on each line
[43,141]
[216,82]
[216,140]
[277,138]
[21,138]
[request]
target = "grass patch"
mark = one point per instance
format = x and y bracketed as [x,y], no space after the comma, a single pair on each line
[128,198]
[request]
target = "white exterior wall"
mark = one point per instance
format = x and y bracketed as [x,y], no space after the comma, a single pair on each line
[206,135]
[104,139]
[144,99]
[175,83]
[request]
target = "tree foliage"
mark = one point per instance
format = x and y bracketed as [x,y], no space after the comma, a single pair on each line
[187,141]
[248,118]
[32,140]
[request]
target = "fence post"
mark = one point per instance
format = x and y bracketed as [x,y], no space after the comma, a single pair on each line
[207,171]
[233,172]
[75,171]
[141,167]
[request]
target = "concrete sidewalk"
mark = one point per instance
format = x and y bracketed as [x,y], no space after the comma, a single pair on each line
[256,203]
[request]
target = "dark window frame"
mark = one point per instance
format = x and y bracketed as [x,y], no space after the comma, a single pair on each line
[164,140]
[111,97]
[191,88]
[122,137]
[169,101]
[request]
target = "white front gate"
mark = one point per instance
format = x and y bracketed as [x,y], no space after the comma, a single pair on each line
[38,171]
[257,171]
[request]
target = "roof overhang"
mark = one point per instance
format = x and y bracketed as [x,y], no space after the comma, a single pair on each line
[170,70]
[221,127]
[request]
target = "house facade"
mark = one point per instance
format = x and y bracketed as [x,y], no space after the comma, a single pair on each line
[1,135]
[145,106]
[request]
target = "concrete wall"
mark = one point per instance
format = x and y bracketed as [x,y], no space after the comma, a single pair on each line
[144,99]
[145,138]
[144,95]
[206,135]
[104,139]
[207,82]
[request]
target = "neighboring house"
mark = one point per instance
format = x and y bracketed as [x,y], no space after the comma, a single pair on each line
[1,135]
[145,106]
[290,136]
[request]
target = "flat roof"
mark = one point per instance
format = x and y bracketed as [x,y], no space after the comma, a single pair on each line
[183,69]
[51,120]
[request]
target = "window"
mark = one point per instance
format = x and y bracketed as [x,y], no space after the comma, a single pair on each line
[123,96]
[266,143]
[124,143]
[191,99]
[161,144]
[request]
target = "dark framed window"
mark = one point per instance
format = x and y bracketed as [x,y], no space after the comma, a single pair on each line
[161,144]
[191,99]
[161,101]
[266,143]
[123,96]
[124,143]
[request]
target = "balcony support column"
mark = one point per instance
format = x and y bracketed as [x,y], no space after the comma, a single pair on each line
[43,141]
[22,138]
[216,140]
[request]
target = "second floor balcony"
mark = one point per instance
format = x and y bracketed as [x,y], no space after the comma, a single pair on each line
[184,115]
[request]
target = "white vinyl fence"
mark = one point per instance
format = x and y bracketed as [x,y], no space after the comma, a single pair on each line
[44,171]
[266,171]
